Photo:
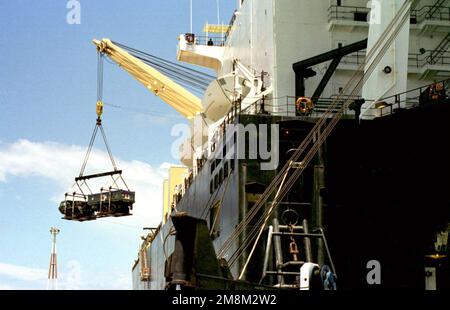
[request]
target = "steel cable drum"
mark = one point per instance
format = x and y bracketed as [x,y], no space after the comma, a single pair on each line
[290,217]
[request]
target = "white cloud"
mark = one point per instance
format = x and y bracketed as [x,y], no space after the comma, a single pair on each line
[61,163]
[72,277]
[6,287]
[22,273]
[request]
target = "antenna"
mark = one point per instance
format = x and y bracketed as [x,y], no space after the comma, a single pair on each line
[218,12]
[191,14]
[53,268]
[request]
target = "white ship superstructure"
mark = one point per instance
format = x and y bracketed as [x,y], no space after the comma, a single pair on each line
[269,36]
[270,55]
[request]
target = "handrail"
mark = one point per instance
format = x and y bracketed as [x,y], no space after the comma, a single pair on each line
[418,60]
[424,13]
[204,40]
[288,108]
[345,12]
[347,7]
[408,102]
[417,88]
[421,14]
[231,24]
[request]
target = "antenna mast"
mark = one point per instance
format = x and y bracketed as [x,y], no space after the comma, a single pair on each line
[53,268]
[218,13]
[191,14]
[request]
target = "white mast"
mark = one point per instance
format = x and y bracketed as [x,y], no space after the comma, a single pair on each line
[53,268]
[391,74]
[218,13]
[191,15]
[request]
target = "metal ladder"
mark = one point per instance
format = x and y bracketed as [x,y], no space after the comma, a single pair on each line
[439,51]
[274,245]
[435,8]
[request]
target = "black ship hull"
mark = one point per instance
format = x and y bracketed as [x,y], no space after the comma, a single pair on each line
[379,188]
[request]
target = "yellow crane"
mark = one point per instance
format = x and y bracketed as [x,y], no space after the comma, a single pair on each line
[178,97]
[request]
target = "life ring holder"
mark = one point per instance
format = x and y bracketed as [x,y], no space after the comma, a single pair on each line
[304,105]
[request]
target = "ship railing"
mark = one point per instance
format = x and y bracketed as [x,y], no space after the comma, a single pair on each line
[231,24]
[423,59]
[406,100]
[356,58]
[429,12]
[344,12]
[360,14]
[220,131]
[207,40]
[415,60]
[285,106]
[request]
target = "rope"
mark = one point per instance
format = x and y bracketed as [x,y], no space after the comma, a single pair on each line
[142,112]
[195,80]
[86,158]
[303,145]
[98,123]
[91,143]
[133,50]
[314,133]
[108,148]
[187,79]
[293,178]
[309,157]
[100,77]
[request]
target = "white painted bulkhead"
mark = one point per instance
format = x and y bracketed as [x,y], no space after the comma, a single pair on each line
[272,35]
[382,83]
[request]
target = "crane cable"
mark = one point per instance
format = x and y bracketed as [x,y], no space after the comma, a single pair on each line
[174,64]
[313,135]
[295,157]
[188,77]
[98,123]
[310,155]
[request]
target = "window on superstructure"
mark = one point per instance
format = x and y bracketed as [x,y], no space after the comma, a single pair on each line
[360,16]
[216,181]
[213,166]
[214,220]
[225,169]
[211,187]
[221,176]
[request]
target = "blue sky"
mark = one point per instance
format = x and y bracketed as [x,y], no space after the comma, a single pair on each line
[47,112]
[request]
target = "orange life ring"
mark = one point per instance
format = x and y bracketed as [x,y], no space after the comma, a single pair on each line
[190,38]
[304,105]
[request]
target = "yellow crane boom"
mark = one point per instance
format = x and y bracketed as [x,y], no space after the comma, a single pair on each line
[183,101]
